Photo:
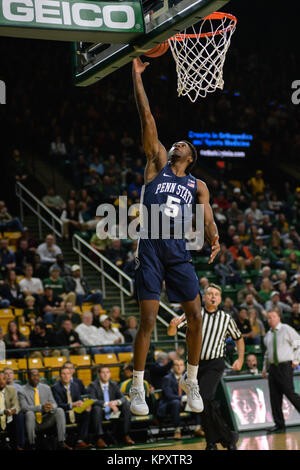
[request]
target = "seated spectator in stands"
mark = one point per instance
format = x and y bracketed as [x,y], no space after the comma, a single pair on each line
[294,317]
[70,219]
[10,291]
[243,256]
[295,237]
[110,403]
[160,368]
[58,285]
[68,396]
[15,340]
[250,302]
[96,312]
[88,333]
[116,319]
[58,149]
[8,223]
[116,254]
[228,237]
[24,255]
[131,331]
[257,326]
[97,166]
[226,274]
[136,185]
[284,295]
[295,293]
[275,302]
[265,273]
[292,263]
[54,202]
[65,268]
[48,250]
[111,336]
[80,286]
[39,270]
[100,244]
[66,336]
[74,379]
[8,415]
[221,201]
[267,224]
[50,306]
[10,379]
[86,220]
[43,338]
[244,326]
[290,248]
[219,216]
[266,287]
[233,213]
[255,212]
[251,365]
[8,258]
[17,166]
[31,313]
[256,183]
[248,289]
[274,205]
[283,225]
[31,285]
[32,242]
[41,411]
[242,233]
[228,307]
[68,314]
[267,258]
[203,283]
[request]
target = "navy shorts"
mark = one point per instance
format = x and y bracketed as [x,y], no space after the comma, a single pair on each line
[167,260]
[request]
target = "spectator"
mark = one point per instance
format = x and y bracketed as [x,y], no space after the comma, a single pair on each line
[100,244]
[54,202]
[242,233]
[256,183]
[43,338]
[292,263]
[275,302]
[8,223]
[204,282]
[74,379]
[10,408]
[111,336]
[225,272]
[41,411]
[228,237]
[221,201]
[39,270]
[255,212]
[31,313]
[68,337]
[130,332]
[228,307]
[233,213]
[243,256]
[8,258]
[284,295]
[65,268]
[116,253]
[18,422]
[11,291]
[24,255]
[67,396]
[17,166]
[15,340]
[117,320]
[219,216]
[257,326]
[58,149]
[31,285]
[68,314]
[79,285]
[88,333]
[70,219]
[110,402]
[160,368]
[50,305]
[250,302]
[251,365]
[97,166]
[264,274]
[48,250]
[10,379]
[244,326]
[258,248]
[58,286]
[248,289]
[266,287]
[294,318]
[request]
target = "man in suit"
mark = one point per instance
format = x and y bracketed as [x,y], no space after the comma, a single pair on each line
[109,401]
[9,410]
[67,396]
[74,379]
[41,411]
[18,418]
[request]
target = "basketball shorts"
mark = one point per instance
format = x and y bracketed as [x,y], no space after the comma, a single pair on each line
[169,261]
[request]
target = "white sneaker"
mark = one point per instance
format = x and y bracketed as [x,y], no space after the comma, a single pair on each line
[138,405]
[191,389]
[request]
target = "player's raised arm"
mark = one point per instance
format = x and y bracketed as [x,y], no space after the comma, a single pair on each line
[154,150]
[210,228]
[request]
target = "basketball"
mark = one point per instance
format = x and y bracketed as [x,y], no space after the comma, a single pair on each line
[158,50]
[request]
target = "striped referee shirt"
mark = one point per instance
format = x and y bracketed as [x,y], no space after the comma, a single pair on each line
[216,326]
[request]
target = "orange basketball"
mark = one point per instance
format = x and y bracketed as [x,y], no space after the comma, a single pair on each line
[158,50]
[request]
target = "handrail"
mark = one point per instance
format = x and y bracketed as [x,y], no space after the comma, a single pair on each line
[20,189]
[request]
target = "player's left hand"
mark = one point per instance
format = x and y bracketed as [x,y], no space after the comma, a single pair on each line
[215,248]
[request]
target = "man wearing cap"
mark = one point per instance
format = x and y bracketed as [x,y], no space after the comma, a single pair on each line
[256,183]
[57,284]
[111,336]
[79,285]
[275,302]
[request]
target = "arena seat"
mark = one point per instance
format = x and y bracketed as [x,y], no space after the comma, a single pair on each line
[13,363]
[54,362]
[33,363]
[85,374]
[25,330]
[6,315]
[125,356]
[109,359]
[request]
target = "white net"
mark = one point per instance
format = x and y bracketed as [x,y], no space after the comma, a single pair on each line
[200,55]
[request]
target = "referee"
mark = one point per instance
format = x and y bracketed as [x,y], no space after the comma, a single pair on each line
[216,326]
[282,354]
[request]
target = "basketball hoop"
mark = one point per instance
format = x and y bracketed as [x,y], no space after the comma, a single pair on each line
[200,55]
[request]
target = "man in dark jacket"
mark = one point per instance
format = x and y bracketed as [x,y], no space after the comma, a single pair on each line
[110,404]
[79,285]
[43,338]
[67,396]
[66,336]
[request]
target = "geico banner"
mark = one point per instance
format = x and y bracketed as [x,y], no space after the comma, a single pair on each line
[71,15]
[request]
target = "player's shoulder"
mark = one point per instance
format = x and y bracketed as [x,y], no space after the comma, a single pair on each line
[201,185]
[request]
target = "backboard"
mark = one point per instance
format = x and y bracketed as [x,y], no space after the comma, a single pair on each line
[162,18]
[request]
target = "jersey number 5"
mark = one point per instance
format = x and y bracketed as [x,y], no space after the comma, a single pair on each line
[172,206]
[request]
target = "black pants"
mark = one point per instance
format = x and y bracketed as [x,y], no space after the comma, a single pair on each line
[209,375]
[281,383]
[98,416]
[83,422]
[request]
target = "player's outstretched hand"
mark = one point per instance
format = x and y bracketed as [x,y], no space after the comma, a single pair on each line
[138,66]
[215,248]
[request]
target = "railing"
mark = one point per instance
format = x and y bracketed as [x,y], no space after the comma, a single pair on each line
[26,198]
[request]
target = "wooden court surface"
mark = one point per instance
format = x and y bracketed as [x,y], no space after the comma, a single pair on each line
[290,440]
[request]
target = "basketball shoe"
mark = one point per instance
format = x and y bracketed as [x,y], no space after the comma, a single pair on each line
[138,405]
[191,389]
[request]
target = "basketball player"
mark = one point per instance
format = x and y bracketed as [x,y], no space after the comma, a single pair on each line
[168,183]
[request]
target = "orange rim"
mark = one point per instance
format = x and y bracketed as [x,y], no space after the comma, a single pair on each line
[218,15]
